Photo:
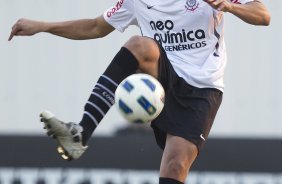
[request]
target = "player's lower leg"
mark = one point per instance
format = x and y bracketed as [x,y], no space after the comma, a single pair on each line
[102,96]
[72,138]
[178,156]
[138,53]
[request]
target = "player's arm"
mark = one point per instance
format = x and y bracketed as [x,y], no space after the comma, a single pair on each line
[253,12]
[76,29]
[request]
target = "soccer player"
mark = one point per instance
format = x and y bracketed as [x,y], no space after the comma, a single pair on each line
[182,45]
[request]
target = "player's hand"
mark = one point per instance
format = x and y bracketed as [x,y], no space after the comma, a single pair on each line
[220,5]
[25,27]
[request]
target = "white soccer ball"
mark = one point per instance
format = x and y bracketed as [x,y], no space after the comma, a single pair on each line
[140,98]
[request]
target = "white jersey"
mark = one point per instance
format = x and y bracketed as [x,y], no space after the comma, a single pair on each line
[190,31]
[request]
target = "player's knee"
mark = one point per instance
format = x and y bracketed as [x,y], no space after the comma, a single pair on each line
[177,167]
[143,48]
[134,43]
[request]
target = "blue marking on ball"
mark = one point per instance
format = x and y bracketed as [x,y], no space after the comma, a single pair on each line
[128,86]
[148,83]
[124,107]
[146,105]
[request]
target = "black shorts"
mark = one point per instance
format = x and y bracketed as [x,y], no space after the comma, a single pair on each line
[188,112]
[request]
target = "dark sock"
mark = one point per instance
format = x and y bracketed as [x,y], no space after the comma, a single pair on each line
[102,96]
[169,181]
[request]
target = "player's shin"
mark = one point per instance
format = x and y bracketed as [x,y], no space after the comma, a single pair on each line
[102,96]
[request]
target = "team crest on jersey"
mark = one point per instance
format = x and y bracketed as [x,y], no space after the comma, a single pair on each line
[192,5]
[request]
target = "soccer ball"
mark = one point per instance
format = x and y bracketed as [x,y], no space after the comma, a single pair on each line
[140,98]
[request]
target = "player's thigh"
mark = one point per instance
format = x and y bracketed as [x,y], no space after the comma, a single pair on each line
[146,52]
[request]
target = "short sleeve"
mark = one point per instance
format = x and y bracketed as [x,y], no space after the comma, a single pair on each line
[121,15]
[241,1]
